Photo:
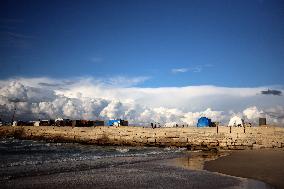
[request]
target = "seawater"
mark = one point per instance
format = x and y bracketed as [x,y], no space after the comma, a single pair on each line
[14,152]
[21,161]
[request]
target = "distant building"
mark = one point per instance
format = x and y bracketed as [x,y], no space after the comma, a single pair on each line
[23,123]
[98,123]
[63,122]
[36,123]
[262,121]
[44,123]
[87,123]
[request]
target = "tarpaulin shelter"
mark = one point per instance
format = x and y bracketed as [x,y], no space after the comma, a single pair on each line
[204,122]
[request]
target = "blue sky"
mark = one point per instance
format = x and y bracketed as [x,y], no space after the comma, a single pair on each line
[172,43]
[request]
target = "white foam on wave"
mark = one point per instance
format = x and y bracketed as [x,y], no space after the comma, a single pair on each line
[37,162]
[122,150]
[175,149]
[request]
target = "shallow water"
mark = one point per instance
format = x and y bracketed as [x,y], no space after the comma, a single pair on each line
[14,152]
[194,160]
[37,164]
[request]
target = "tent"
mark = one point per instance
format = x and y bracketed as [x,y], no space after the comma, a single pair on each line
[236,121]
[204,122]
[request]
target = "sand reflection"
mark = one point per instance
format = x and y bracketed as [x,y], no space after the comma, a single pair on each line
[196,160]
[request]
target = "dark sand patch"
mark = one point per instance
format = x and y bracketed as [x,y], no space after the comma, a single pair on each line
[266,165]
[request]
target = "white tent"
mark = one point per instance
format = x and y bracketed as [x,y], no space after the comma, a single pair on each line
[236,121]
[170,124]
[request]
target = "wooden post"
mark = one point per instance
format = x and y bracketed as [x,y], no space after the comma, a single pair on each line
[244,129]
[230,129]
[217,129]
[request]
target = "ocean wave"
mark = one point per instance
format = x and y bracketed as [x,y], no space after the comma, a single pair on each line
[122,150]
[40,162]
[27,152]
[175,149]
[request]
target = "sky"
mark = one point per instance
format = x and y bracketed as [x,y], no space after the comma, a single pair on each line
[183,56]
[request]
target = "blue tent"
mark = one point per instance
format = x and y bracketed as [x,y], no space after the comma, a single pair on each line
[113,122]
[204,122]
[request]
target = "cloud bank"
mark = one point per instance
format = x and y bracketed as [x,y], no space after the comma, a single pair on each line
[271,92]
[90,98]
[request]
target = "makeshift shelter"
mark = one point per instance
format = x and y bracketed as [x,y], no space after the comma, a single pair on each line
[236,122]
[204,122]
[117,122]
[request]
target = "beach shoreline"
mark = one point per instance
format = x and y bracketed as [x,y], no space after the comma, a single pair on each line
[122,172]
[183,169]
[156,168]
[77,166]
[132,173]
[159,170]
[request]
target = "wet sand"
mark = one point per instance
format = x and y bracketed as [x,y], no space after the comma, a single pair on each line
[266,165]
[196,161]
[122,172]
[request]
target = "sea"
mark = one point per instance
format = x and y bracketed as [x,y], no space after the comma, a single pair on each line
[40,164]
[15,152]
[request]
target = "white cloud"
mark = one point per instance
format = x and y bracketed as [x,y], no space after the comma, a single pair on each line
[195,69]
[179,70]
[253,113]
[90,98]
[121,81]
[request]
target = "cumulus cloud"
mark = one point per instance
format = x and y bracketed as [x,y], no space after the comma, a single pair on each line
[90,98]
[274,115]
[253,113]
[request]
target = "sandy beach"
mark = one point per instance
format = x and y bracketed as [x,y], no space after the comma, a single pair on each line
[266,165]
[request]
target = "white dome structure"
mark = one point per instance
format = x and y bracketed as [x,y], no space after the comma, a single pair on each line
[170,124]
[236,121]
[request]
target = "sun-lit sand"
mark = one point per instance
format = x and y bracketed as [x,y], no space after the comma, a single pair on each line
[266,165]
